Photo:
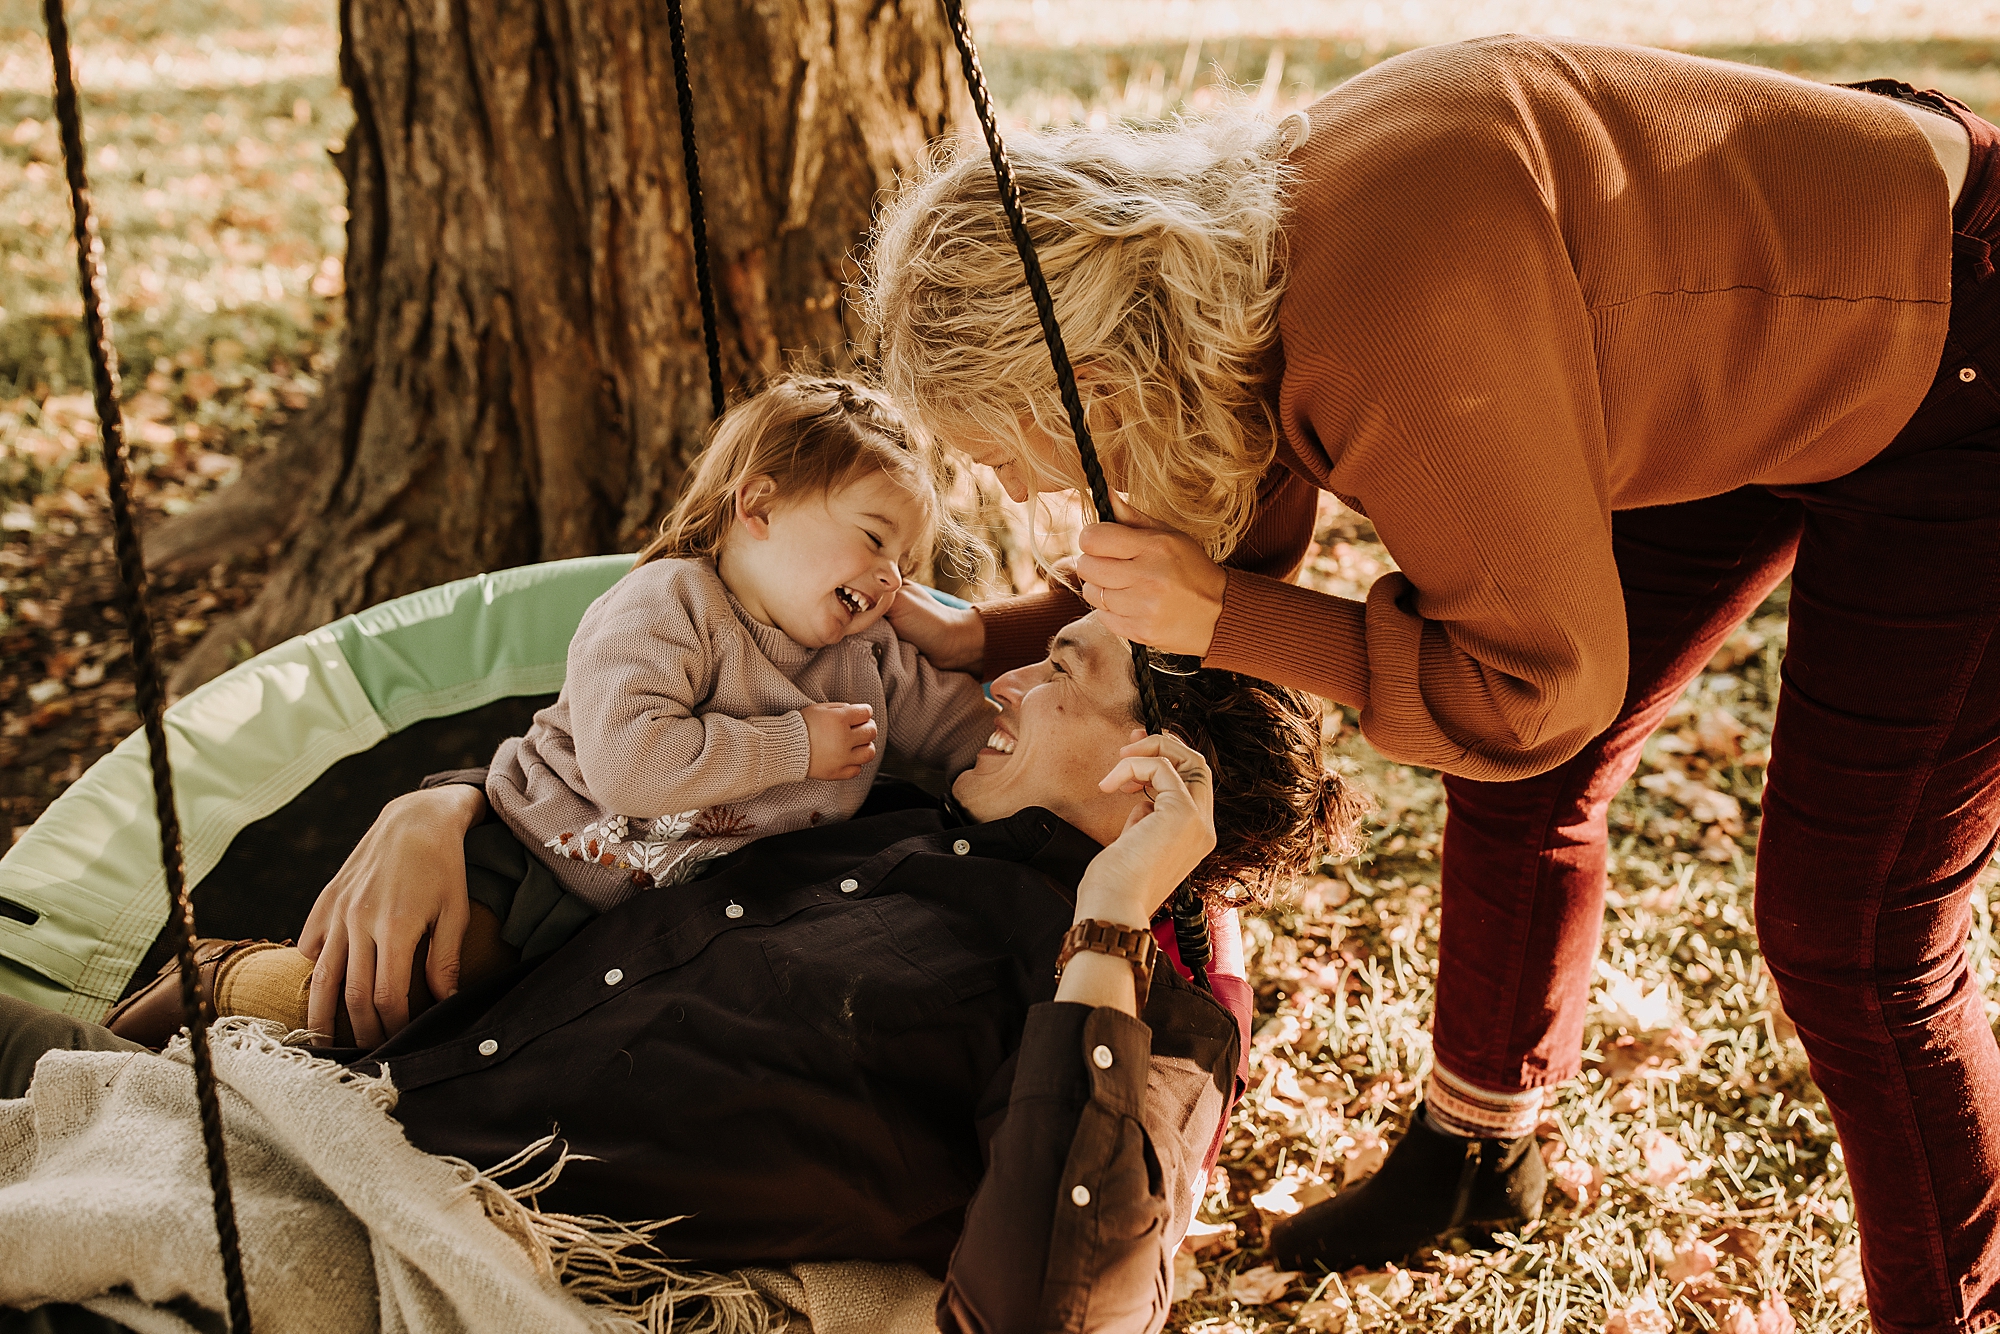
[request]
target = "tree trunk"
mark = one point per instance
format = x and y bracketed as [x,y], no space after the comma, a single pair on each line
[522,375]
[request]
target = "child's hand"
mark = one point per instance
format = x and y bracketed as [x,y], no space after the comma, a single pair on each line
[842,737]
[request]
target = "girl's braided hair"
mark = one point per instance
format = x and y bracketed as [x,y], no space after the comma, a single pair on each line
[811,435]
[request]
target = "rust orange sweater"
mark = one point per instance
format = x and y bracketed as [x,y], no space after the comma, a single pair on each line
[1531,282]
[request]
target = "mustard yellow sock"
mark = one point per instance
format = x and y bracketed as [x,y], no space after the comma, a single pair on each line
[266,981]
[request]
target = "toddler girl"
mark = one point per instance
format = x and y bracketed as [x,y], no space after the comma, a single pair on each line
[742,679]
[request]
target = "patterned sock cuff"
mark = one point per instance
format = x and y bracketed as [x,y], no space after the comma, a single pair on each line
[1459,1108]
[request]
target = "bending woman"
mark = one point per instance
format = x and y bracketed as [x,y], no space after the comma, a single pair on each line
[1605,341]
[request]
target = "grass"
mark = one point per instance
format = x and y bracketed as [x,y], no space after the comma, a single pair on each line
[1695,1125]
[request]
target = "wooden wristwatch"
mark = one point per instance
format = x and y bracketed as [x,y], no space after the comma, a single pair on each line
[1135,944]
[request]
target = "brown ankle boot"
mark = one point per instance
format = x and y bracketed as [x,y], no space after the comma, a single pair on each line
[152,1015]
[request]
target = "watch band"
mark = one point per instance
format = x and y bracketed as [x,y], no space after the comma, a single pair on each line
[1134,944]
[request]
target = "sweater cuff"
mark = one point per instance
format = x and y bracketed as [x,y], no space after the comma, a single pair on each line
[787,747]
[1292,636]
[450,777]
[1018,630]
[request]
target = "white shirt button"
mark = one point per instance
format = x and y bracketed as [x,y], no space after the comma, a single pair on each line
[488,1047]
[614,977]
[733,910]
[849,886]
[962,847]
[1081,1196]
[1967,374]
[1100,1057]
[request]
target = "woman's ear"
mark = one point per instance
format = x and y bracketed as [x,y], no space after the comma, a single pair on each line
[754,499]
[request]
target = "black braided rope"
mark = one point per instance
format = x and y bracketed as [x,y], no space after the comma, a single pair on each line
[1189,917]
[145,667]
[711,336]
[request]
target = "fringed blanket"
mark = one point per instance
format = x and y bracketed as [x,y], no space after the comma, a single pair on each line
[345,1225]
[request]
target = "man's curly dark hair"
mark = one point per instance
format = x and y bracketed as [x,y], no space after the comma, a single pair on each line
[1278,808]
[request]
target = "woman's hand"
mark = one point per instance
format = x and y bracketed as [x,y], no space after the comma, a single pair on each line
[405,879]
[953,638]
[1150,583]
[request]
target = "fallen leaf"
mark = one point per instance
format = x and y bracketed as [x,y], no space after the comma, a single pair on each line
[1740,647]
[1720,733]
[1745,1243]
[1260,1286]
[1845,1282]
[1774,1315]
[1693,1259]
[1325,1316]
[1392,1285]
[148,406]
[1364,1157]
[75,413]
[1188,1278]
[1641,1316]
[1279,1199]
[1626,1003]
[1313,1193]
[1703,802]
[1666,1163]
[1278,1031]
[1581,1181]
[1208,1239]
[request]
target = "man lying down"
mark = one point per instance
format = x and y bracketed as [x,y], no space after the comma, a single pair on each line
[851,1043]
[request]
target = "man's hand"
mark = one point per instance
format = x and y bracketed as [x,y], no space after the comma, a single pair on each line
[1165,837]
[1149,583]
[842,737]
[953,638]
[405,879]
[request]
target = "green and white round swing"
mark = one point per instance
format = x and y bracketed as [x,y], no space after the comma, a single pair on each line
[82,895]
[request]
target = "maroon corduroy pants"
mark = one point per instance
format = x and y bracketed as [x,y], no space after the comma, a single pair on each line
[1881,806]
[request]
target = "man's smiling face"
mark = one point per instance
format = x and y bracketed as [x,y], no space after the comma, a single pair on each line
[1062,723]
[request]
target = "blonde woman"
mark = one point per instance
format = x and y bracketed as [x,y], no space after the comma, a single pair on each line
[1605,341]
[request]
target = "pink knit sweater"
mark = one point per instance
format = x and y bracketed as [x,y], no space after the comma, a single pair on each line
[678,735]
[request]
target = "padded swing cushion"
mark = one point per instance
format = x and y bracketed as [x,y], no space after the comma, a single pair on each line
[82,895]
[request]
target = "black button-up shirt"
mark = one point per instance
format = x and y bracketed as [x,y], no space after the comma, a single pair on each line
[841,1044]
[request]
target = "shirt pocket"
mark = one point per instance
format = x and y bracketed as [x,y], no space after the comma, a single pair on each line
[874,968]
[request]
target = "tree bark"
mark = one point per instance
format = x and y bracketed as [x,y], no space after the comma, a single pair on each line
[521,375]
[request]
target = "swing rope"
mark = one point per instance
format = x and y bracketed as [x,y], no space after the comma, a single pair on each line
[711,336]
[150,689]
[1185,906]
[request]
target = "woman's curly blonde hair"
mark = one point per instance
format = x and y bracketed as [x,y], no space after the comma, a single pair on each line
[1162,251]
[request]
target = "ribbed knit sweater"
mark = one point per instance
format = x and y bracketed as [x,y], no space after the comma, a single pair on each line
[678,735]
[1531,282]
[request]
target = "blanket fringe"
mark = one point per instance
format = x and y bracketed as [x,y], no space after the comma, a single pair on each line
[614,1268]
[267,1038]
[617,1268]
